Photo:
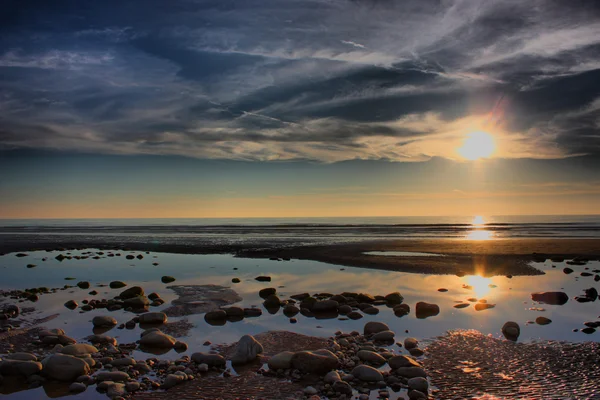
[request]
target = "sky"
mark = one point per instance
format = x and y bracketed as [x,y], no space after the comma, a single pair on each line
[290,108]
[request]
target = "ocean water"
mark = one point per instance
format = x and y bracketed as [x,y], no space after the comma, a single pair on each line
[329,229]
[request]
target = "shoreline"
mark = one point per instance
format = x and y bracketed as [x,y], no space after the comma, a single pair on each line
[461,256]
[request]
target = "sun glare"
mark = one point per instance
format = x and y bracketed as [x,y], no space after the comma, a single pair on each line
[478,220]
[480,284]
[477,145]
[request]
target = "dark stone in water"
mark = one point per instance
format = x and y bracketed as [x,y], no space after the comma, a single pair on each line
[483,306]
[401,310]
[263,278]
[167,279]
[117,284]
[554,298]
[511,331]
[543,321]
[425,310]
[462,305]
[588,330]
[567,270]
[591,293]
[266,292]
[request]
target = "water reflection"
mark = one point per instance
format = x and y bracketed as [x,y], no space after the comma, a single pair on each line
[479,284]
[480,235]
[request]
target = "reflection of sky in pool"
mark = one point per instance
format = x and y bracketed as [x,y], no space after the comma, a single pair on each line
[511,296]
[401,254]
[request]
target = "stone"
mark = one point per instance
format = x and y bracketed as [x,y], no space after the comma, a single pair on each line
[373,327]
[116,390]
[263,278]
[425,310]
[290,310]
[403,361]
[157,339]
[131,292]
[102,339]
[419,384]
[79,350]
[554,298]
[367,374]
[173,380]
[342,387]
[483,306]
[117,284]
[272,301]
[416,352]
[132,387]
[266,292]
[410,372]
[113,376]
[354,315]
[137,303]
[64,367]
[416,395]
[511,331]
[332,377]
[401,310]
[21,356]
[153,318]
[344,309]
[394,298]
[371,357]
[123,362]
[203,367]
[384,336]
[83,285]
[20,368]
[325,306]
[543,321]
[316,362]
[167,279]
[371,310]
[71,304]
[77,387]
[281,360]
[309,390]
[247,349]
[103,321]
[212,360]
[215,315]
[180,347]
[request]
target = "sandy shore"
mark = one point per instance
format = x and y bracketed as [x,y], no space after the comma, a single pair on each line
[461,257]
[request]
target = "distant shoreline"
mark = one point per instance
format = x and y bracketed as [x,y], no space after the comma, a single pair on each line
[462,257]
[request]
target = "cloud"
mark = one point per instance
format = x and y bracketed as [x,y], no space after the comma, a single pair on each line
[279,81]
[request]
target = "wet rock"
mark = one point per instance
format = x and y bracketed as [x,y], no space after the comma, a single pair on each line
[316,362]
[394,298]
[137,303]
[272,302]
[554,298]
[264,293]
[354,315]
[233,312]
[77,387]
[300,296]
[410,372]
[83,285]
[383,336]
[131,292]
[461,305]
[591,294]
[60,339]
[212,360]
[419,384]
[483,306]
[543,321]
[173,380]
[117,284]
[325,306]
[157,339]
[21,356]
[588,330]
[263,278]
[281,360]
[290,310]
[371,310]
[416,352]
[153,318]
[367,374]
[373,327]
[116,390]
[180,347]
[71,304]
[235,280]
[113,376]
[20,368]
[252,312]
[403,362]
[410,343]
[332,377]
[345,309]
[64,367]
[167,279]
[79,350]
[425,310]
[401,310]
[371,357]
[567,270]
[247,349]
[103,321]
[511,331]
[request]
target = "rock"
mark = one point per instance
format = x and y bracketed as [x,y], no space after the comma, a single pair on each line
[203,367]
[235,280]
[157,339]
[113,376]
[132,386]
[591,294]
[371,357]
[60,339]
[401,310]
[79,350]
[233,312]
[215,315]
[374,327]
[76,387]
[410,343]
[554,298]
[483,306]
[588,330]
[131,292]
[403,362]
[137,303]
[103,321]
[419,384]
[212,360]
[281,360]
[252,312]
[263,278]
[167,279]
[325,306]
[153,318]
[21,356]
[71,304]
[542,321]
[180,347]
[83,285]
[394,298]
[123,362]
[411,372]
[117,284]
[345,309]
[567,270]
[332,377]
[272,301]
[63,367]
[247,349]
[416,352]
[102,339]
[290,310]
[116,390]
[371,310]
[425,310]
[309,390]
[264,293]
[316,362]
[384,336]
[20,368]
[461,305]
[367,374]
[173,380]
[354,315]
[342,387]
[511,331]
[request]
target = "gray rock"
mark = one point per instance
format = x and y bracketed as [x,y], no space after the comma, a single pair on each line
[316,362]
[373,327]
[203,367]
[247,349]
[212,360]
[309,390]
[367,374]
[64,367]
[371,357]
[281,360]
[116,390]
[419,384]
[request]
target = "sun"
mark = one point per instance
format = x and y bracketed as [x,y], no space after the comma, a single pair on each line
[477,145]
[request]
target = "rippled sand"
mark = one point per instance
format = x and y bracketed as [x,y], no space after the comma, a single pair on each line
[468,364]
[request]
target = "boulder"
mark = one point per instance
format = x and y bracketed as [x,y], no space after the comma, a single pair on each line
[21,356]
[131,292]
[411,372]
[315,362]
[272,301]
[281,360]
[79,350]
[373,327]
[212,360]
[367,374]
[103,321]
[553,298]
[425,310]
[401,310]
[511,331]
[112,376]
[410,343]
[325,306]
[20,368]
[247,349]
[383,336]
[371,357]
[157,339]
[64,367]
[153,318]
[403,362]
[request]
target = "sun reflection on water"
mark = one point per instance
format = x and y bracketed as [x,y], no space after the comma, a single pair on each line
[481,285]
[478,232]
